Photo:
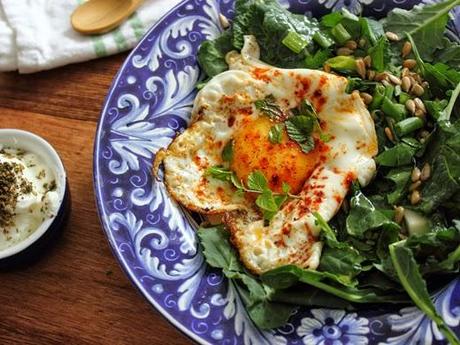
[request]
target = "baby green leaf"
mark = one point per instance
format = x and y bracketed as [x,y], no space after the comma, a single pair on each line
[266,201]
[269,107]
[227,152]
[286,187]
[211,54]
[257,181]
[307,145]
[220,173]
[299,129]
[276,133]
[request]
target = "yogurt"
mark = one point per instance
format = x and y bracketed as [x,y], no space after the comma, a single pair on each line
[28,195]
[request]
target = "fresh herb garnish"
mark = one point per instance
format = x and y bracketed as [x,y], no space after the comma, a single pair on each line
[269,107]
[268,201]
[300,129]
[276,133]
[227,152]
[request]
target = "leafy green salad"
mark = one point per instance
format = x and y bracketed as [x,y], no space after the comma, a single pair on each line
[398,239]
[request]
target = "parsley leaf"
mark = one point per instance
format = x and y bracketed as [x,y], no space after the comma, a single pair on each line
[266,201]
[276,133]
[220,173]
[299,128]
[224,174]
[269,107]
[257,181]
[227,152]
[286,187]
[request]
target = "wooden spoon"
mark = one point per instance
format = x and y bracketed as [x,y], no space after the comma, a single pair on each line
[99,16]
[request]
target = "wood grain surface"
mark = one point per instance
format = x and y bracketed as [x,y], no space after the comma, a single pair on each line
[77,293]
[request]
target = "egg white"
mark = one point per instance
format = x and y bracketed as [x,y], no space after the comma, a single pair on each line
[292,235]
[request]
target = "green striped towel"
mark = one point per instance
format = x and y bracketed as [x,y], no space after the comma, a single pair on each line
[37,35]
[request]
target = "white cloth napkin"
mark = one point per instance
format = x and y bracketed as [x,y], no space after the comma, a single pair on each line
[36,34]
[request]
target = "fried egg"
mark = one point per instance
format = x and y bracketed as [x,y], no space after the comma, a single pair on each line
[224,111]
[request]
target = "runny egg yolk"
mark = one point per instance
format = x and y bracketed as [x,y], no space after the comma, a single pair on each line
[283,162]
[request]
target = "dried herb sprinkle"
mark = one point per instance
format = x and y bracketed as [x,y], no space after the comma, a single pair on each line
[12,185]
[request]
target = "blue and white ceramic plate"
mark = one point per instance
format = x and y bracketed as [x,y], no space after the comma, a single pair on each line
[154,239]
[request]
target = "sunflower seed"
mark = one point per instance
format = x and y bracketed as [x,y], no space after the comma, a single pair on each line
[392,36]
[370,74]
[399,214]
[386,83]
[368,61]
[405,83]
[415,197]
[409,63]
[410,105]
[361,68]
[395,80]
[426,172]
[418,90]
[344,51]
[415,185]
[418,78]
[404,72]
[224,21]
[419,113]
[419,104]
[381,76]
[406,49]
[389,134]
[367,98]
[327,68]
[415,176]
[351,45]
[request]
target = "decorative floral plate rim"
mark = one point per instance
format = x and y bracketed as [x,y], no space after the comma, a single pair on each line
[153,238]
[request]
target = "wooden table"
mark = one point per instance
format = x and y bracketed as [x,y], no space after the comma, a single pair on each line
[77,293]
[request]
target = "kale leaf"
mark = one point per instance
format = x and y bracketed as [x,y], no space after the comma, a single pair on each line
[211,55]
[269,22]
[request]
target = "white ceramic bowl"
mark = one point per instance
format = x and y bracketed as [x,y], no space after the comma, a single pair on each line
[30,142]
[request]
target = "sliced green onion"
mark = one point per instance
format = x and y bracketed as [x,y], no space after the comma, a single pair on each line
[322,40]
[408,125]
[342,63]
[348,15]
[403,97]
[377,98]
[295,42]
[340,34]
[394,110]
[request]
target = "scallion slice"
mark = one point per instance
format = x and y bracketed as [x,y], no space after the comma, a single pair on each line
[295,42]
